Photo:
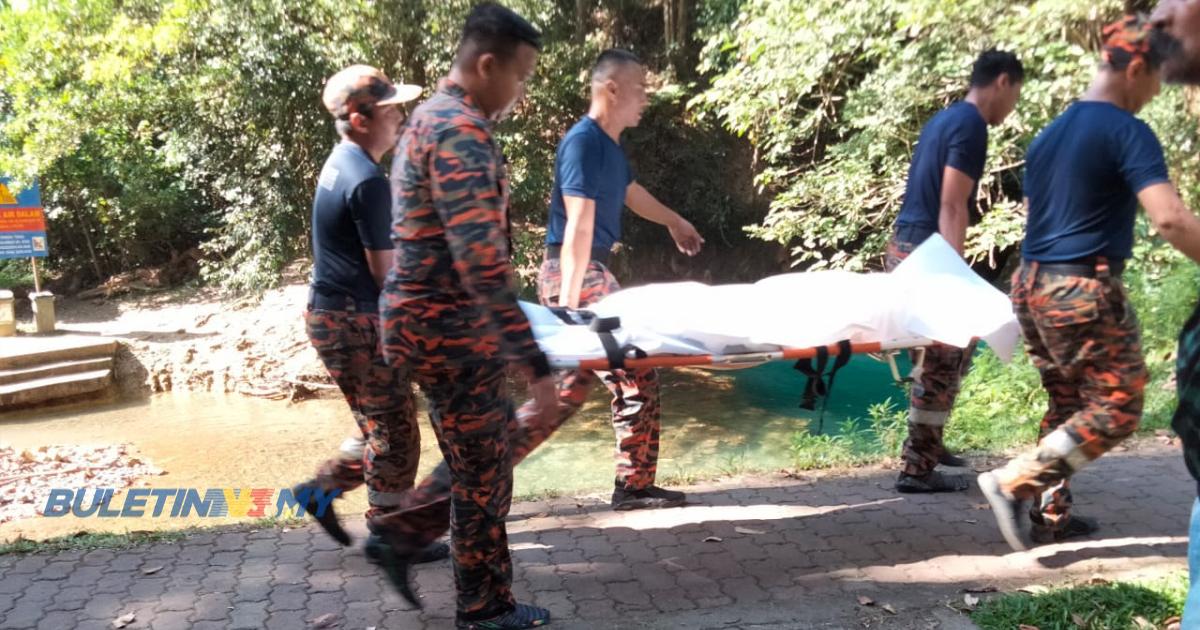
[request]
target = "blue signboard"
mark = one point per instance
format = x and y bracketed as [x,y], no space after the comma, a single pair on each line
[22,222]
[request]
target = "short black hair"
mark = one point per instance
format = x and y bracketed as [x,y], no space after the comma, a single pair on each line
[495,29]
[992,63]
[612,60]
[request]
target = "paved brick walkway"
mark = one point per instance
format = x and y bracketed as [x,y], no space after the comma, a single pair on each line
[793,553]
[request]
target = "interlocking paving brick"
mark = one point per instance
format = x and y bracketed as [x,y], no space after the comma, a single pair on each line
[837,536]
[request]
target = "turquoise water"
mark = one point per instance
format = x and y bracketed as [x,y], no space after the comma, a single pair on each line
[714,422]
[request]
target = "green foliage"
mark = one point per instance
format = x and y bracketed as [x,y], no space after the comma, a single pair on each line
[157,125]
[854,443]
[833,94]
[15,273]
[1089,607]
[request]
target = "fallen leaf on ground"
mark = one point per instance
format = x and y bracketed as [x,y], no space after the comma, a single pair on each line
[670,562]
[1034,589]
[1079,620]
[324,621]
[1143,624]
[863,600]
[971,521]
[747,530]
[971,601]
[541,515]
[1098,580]
[889,608]
[980,589]
[714,539]
[123,620]
[152,570]
[1027,627]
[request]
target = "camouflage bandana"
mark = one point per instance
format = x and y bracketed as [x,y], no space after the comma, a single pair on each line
[1127,39]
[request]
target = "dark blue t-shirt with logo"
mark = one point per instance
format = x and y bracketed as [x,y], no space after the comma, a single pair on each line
[352,211]
[1082,176]
[958,137]
[591,165]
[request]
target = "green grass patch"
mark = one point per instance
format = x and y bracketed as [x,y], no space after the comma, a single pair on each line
[87,541]
[1139,605]
[856,443]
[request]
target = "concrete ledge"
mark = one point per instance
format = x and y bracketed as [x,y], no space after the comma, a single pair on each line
[54,387]
[32,350]
[60,368]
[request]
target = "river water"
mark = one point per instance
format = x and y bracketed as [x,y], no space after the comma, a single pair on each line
[713,423]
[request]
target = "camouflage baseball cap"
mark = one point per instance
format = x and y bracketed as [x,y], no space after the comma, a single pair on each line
[353,87]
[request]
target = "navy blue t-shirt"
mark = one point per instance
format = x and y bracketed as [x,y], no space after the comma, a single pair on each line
[352,211]
[958,137]
[590,165]
[1082,177]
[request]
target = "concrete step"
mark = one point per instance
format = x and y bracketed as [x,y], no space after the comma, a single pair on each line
[32,350]
[54,387]
[59,368]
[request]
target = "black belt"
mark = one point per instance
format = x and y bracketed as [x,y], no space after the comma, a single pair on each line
[340,302]
[599,254]
[915,234]
[1084,268]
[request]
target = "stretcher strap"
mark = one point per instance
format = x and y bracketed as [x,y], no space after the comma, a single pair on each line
[615,352]
[820,384]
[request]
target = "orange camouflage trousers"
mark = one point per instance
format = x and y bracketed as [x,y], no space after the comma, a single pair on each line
[472,416]
[935,386]
[385,454]
[635,393]
[1083,336]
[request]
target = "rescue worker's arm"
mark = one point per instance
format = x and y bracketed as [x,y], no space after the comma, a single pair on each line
[379,261]
[1171,218]
[465,188]
[576,248]
[686,238]
[371,210]
[953,216]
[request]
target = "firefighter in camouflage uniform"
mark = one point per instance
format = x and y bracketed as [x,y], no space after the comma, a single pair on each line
[942,181]
[1085,176]
[352,252]
[450,312]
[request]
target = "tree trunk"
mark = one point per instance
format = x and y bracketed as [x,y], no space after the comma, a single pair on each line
[404,61]
[677,29]
[582,18]
[675,22]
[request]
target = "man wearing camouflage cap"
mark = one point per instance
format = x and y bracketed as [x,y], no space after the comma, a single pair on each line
[1086,174]
[352,253]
